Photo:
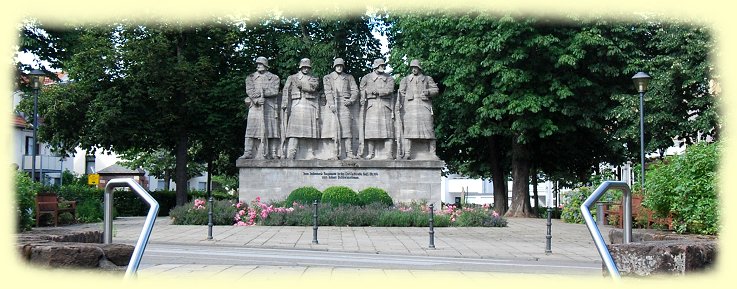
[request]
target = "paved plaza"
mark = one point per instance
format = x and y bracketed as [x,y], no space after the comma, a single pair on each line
[522,240]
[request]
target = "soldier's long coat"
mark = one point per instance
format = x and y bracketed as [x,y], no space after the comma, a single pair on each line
[415,96]
[379,94]
[264,116]
[302,105]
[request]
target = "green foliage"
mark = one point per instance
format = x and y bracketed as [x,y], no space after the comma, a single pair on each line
[542,212]
[159,163]
[126,74]
[224,183]
[684,186]
[375,195]
[223,213]
[479,218]
[351,215]
[572,205]
[395,218]
[340,195]
[90,211]
[68,177]
[25,198]
[517,79]
[304,195]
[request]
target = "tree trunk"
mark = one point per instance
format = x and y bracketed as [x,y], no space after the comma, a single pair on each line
[520,182]
[181,169]
[497,176]
[534,188]
[167,180]
[209,179]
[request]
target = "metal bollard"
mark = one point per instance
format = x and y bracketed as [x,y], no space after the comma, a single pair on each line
[314,223]
[549,237]
[432,229]
[209,217]
[600,214]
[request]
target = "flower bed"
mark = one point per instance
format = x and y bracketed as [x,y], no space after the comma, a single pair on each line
[375,214]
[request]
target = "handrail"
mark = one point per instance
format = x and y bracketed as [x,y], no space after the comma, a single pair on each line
[594,229]
[148,225]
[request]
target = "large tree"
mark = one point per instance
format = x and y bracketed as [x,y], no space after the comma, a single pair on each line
[682,99]
[512,86]
[179,87]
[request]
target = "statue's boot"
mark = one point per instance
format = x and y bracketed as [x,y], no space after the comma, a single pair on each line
[348,145]
[370,153]
[388,148]
[433,155]
[247,148]
[407,150]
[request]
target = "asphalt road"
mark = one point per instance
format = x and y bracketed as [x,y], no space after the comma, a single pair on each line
[157,254]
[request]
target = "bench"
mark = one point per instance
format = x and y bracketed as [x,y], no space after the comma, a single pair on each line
[48,203]
[638,213]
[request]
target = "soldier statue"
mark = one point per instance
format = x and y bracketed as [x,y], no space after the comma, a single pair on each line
[301,112]
[415,104]
[262,89]
[341,92]
[377,105]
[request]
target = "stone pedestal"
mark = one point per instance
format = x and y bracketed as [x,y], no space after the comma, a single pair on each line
[405,181]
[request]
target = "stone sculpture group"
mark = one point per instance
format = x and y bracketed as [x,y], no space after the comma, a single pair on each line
[336,118]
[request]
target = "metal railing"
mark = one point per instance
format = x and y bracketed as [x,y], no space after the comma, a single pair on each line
[606,257]
[148,225]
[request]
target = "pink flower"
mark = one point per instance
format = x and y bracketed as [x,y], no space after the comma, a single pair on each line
[238,205]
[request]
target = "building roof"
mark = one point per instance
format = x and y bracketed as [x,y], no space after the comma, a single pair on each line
[117,169]
[19,121]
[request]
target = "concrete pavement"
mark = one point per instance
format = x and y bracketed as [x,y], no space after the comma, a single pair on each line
[523,239]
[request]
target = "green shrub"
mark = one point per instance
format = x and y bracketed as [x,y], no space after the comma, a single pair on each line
[475,218]
[339,195]
[90,211]
[572,205]
[684,186]
[303,195]
[441,221]
[25,200]
[79,192]
[223,213]
[542,212]
[217,195]
[395,218]
[349,216]
[375,195]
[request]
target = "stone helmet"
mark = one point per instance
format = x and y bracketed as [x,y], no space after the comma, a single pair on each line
[415,63]
[305,62]
[338,61]
[263,61]
[378,62]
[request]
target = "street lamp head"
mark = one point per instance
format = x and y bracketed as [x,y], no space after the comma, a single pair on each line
[37,78]
[641,80]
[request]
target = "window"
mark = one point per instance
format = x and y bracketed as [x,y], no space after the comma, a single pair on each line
[202,186]
[29,146]
[89,164]
[160,185]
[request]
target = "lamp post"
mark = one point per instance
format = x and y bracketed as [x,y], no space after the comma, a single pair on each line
[37,79]
[641,80]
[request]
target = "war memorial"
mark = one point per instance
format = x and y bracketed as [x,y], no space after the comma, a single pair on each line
[334,131]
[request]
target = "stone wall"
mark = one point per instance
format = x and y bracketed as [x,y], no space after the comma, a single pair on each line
[662,253]
[404,180]
[73,249]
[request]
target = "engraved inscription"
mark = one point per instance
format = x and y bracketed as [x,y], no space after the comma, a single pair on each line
[331,175]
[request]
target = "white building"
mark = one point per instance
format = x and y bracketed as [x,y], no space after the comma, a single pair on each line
[49,165]
[456,187]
